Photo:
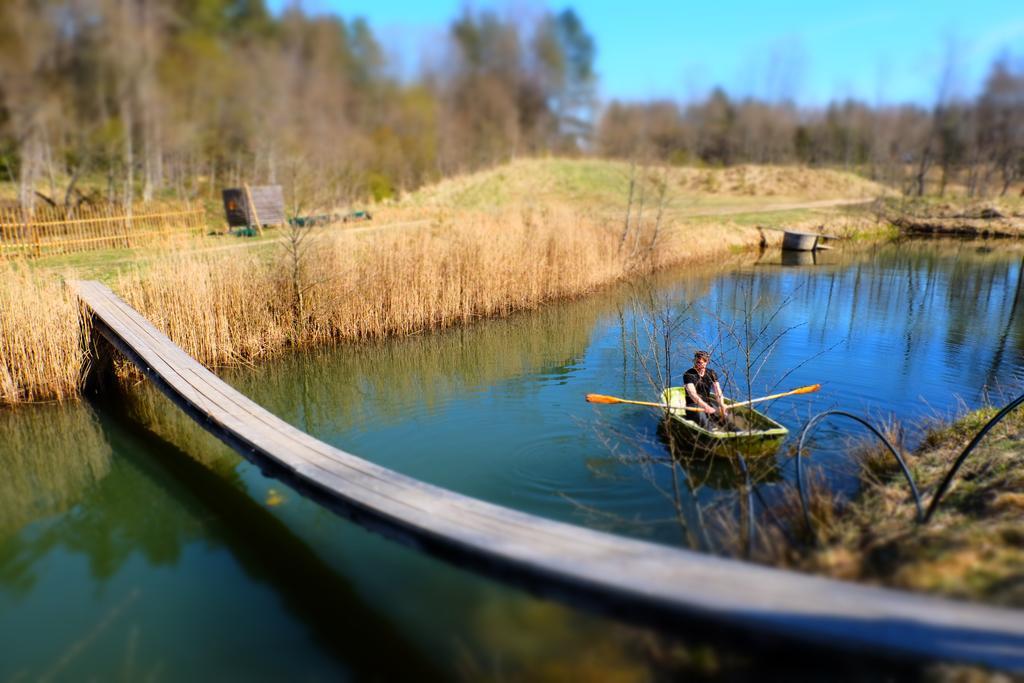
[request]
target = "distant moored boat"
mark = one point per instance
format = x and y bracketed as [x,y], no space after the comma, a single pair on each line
[794,240]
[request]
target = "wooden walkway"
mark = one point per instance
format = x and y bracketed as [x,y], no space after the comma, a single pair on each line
[626,578]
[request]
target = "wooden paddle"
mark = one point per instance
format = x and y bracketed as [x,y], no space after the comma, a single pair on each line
[809,389]
[602,398]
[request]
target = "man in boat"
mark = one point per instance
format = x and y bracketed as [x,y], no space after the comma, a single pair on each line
[701,385]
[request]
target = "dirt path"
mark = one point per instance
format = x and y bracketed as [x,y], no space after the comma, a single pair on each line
[693,212]
[247,244]
[322,234]
[773,208]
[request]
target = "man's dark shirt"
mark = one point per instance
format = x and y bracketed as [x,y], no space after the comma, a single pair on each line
[705,385]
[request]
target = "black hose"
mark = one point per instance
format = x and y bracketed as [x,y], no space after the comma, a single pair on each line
[812,423]
[941,491]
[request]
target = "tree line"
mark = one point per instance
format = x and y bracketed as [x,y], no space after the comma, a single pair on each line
[145,97]
[120,100]
[977,143]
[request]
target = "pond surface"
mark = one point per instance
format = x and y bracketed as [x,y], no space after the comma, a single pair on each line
[134,546]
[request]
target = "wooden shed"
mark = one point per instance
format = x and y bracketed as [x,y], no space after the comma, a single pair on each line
[255,206]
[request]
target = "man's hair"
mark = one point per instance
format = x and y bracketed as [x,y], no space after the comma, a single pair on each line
[701,354]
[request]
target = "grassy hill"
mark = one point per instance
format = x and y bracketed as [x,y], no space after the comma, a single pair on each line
[604,183]
[698,199]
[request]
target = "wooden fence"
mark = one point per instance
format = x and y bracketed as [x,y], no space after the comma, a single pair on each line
[45,231]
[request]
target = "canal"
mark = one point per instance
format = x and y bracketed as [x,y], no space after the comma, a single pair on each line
[135,546]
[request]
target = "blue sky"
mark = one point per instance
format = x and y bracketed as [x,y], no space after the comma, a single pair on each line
[812,51]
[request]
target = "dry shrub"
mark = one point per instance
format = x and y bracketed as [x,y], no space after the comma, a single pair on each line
[876,463]
[40,353]
[1009,501]
[973,547]
[483,265]
[823,508]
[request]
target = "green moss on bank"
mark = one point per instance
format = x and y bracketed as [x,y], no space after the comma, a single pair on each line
[974,546]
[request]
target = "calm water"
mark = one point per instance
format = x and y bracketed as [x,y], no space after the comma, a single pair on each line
[133,546]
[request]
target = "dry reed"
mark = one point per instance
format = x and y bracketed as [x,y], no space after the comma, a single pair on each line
[40,352]
[225,308]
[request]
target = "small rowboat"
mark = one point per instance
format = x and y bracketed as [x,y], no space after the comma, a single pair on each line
[794,240]
[758,434]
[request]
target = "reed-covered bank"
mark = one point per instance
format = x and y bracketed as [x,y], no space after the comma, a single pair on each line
[973,548]
[234,306]
[40,350]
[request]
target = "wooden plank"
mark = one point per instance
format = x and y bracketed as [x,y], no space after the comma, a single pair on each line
[83,232]
[252,210]
[254,206]
[74,232]
[32,231]
[229,394]
[267,204]
[6,232]
[102,218]
[644,581]
[242,404]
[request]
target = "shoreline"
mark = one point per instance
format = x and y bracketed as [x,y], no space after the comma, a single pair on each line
[973,547]
[227,308]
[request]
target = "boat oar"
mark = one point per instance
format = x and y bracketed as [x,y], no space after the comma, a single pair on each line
[602,398]
[809,389]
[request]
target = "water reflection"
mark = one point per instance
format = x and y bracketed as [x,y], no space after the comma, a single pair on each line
[495,410]
[725,474]
[343,625]
[799,258]
[50,455]
[403,379]
[128,521]
[893,324]
[159,505]
[400,380]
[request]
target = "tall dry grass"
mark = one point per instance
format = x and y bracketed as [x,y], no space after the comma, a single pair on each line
[40,352]
[223,309]
[226,307]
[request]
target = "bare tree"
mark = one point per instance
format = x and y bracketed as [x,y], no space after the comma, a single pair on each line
[1001,122]
[29,72]
[933,137]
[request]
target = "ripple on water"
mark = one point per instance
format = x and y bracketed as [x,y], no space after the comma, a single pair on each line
[550,471]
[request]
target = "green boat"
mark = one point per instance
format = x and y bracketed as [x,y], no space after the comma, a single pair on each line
[758,433]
